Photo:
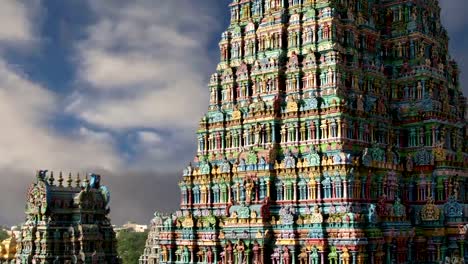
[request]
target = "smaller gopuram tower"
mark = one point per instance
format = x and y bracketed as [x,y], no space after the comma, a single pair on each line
[67,222]
[153,251]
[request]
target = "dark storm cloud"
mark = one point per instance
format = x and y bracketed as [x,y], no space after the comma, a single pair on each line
[136,195]
[456,22]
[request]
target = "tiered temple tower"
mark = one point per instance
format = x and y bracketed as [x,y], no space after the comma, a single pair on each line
[336,133]
[151,254]
[67,222]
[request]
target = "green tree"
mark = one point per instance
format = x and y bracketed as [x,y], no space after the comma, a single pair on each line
[3,234]
[130,246]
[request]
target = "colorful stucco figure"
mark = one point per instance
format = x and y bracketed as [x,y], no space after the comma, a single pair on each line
[336,133]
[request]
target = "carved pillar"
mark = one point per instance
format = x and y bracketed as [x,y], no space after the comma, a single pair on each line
[273,133]
[462,248]
[295,193]
[345,188]
[170,254]
[319,189]
[296,128]
[192,255]
[423,82]
[354,257]
[339,128]
[268,189]
[208,193]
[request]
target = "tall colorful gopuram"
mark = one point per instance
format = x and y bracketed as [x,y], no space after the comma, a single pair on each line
[66,223]
[336,133]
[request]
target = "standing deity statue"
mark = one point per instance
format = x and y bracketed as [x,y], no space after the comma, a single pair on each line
[200,255]
[209,256]
[303,256]
[314,256]
[164,254]
[229,253]
[360,103]
[240,251]
[345,255]
[185,255]
[257,258]
[333,256]
[249,186]
[286,256]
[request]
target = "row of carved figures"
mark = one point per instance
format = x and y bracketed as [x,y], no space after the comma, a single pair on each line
[265,134]
[329,187]
[242,253]
[253,253]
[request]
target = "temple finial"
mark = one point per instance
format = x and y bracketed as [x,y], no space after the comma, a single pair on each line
[69,180]
[51,178]
[60,179]
[78,180]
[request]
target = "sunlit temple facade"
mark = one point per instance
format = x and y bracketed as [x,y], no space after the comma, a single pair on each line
[66,222]
[336,133]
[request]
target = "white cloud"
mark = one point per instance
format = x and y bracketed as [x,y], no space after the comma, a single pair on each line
[144,64]
[28,142]
[16,21]
[147,137]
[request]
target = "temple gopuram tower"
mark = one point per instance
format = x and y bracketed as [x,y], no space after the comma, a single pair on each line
[336,133]
[67,222]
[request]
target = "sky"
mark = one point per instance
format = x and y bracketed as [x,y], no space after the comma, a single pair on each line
[116,88]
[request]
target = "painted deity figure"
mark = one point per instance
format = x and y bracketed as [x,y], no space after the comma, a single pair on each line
[372,216]
[249,185]
[314,256]
[240,252]
[228,253]
[185,255]
[360,103]
[333,256]
[275,257]
[303,256]
[201,255]
[326,183]
[164,254]
[257,258]
[286,256]
[409,163]
[258,133]
[178,254]
[345,256]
